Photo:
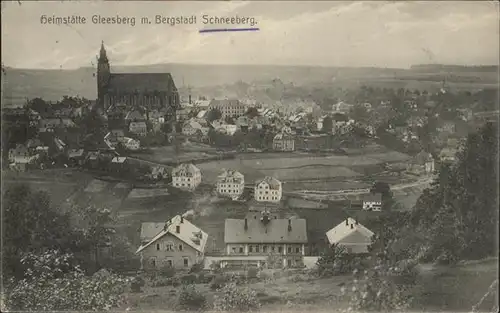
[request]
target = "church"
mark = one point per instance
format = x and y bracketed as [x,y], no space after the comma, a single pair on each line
[147,91]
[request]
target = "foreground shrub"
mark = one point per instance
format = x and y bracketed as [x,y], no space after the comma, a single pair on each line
[162,282]
[196,268]
[136,284]
[167,271]
[382,288]
[234,298]
[46,287]
[191,299]
[252,273]
[189,279]
[218,282]
[335,261]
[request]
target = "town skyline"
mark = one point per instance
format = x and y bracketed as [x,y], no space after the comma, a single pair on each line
[400,34]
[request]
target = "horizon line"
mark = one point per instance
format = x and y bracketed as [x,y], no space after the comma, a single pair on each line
[260,64]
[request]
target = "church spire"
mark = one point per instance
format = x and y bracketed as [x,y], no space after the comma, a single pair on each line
[102,52]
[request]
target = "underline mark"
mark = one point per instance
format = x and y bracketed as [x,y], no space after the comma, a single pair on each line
[220,30]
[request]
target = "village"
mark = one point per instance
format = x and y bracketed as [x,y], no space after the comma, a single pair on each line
[233,184]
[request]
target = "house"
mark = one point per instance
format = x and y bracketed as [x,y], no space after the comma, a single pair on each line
[342,107]
[118,163]
[117,134]
[227,129]
[192,127]
[352,235]
[21,158]
[158,172]
[283,142]
[76,156]
[131,144]
[176,243]
[35,145]
[134,116]
[372,202]
[278,242]
[48,124]
[268,190]
[228,107]
[422,163]
[446,127]
[186,176]
[231,184]
[93,159]
[448,155]
[138,128]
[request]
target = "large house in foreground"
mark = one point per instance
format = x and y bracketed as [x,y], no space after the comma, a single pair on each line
[268,190]
[176,243]
[186,176]
[230,184]
[262,239]
[352,235]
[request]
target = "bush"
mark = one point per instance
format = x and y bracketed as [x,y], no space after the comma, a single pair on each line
[218,282]
[162,282]
[252,273]
[205,278]
[197,267]
[191,299]
[189,279]
[136,284]
[234,298]
[335,261]
[167,271]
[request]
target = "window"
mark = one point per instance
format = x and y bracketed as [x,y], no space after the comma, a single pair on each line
[158,247]
[234,250]
[264,249]
[180,247]
[169,247]
[186,262]
[241,249]
[289,263]
[280,249]
[250,248]
[153,262]
[297,250]
[272,248]
[169,263]
[289,250]
[257,249]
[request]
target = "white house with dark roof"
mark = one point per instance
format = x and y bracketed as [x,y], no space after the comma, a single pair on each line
[422,163]
[186,176]
[264,235]
[231,184]
[372,202]
[350,234]
[268,190]
[283,142]
[176,243]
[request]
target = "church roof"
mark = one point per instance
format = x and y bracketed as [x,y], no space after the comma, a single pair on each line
[141,82]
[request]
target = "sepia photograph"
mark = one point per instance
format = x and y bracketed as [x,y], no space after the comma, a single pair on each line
[249,156]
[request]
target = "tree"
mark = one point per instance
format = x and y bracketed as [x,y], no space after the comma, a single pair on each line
[334,261]
[359,113]
[213,115]
[385,190]
[52,282]
[252,112]
[327,125]
[98,229]
[30,224]
[229,120]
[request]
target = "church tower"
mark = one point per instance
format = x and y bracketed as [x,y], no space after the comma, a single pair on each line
[103,73]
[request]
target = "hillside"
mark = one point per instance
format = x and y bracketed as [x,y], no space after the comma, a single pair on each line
[19,84]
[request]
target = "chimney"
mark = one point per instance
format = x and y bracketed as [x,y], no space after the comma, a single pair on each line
[190,99]
[289,225]
[346,222]
[246,224]
[182,219]
[177,229]
[352,226]
[357,223]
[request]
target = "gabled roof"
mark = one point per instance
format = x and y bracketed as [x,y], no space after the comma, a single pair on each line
[119,159]
[372,197]
[341,231]
[422,157]
[73,153]
[134,115]
[271,181]
[185,169]
[187,233]
[230,176]
[141,82]
[276,231]
[283,136]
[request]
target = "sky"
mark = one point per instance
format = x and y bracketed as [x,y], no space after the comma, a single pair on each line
[324,33]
